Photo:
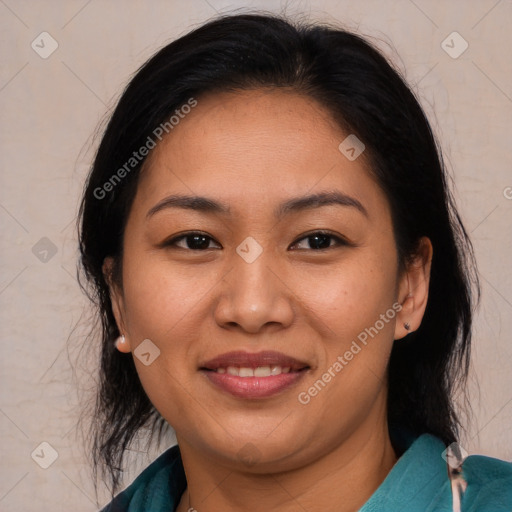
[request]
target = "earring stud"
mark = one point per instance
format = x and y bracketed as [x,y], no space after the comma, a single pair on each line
[407,326]
[120,341]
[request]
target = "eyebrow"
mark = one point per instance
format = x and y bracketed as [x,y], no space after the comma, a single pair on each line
[318,200]
[207,205]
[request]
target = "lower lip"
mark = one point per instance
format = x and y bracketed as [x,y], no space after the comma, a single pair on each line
[254,387]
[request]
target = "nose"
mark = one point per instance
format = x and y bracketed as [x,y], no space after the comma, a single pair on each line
[254,296]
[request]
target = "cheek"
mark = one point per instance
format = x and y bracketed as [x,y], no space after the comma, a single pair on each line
[159,297]
[359,339]
[351,296]
[165,305]
[162,305]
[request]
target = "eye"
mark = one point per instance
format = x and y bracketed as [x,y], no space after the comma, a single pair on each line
[319,240]
[194,241]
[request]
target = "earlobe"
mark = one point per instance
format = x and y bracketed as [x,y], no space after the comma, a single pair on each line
[413,290]
[116,299]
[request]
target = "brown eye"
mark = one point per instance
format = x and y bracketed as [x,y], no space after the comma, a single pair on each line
[318,241]
[191,241]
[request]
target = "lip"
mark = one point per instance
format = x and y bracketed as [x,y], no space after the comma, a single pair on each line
[254,387]
[253,360]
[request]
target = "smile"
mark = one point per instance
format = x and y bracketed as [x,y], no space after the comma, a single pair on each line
[260,371]
[254,376]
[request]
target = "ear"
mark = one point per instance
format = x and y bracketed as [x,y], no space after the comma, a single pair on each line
[413,289]
[116,298]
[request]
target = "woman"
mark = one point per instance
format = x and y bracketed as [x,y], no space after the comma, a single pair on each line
[283,278]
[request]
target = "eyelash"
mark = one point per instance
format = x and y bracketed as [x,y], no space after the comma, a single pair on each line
[339,240]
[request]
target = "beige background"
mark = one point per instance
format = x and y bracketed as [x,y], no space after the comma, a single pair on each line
[50,109]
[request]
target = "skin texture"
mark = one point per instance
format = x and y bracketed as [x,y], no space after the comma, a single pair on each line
[253,150]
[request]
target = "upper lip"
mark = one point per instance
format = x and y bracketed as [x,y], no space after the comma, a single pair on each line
[254,360]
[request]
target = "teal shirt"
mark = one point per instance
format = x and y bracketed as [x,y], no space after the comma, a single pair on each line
[418,482]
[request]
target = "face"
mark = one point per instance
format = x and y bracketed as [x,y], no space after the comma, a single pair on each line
[271,308]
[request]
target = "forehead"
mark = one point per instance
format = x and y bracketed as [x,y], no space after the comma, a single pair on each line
[258,145]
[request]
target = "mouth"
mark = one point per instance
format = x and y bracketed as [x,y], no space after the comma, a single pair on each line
[253,376]
[259,371]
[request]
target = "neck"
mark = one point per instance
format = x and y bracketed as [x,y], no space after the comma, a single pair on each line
[341,480]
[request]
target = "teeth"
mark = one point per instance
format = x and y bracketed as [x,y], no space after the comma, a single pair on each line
[260,371]
[246,372]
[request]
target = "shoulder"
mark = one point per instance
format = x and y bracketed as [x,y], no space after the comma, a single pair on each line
[489,480]
[156,489]
[489,484]
[419,482]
